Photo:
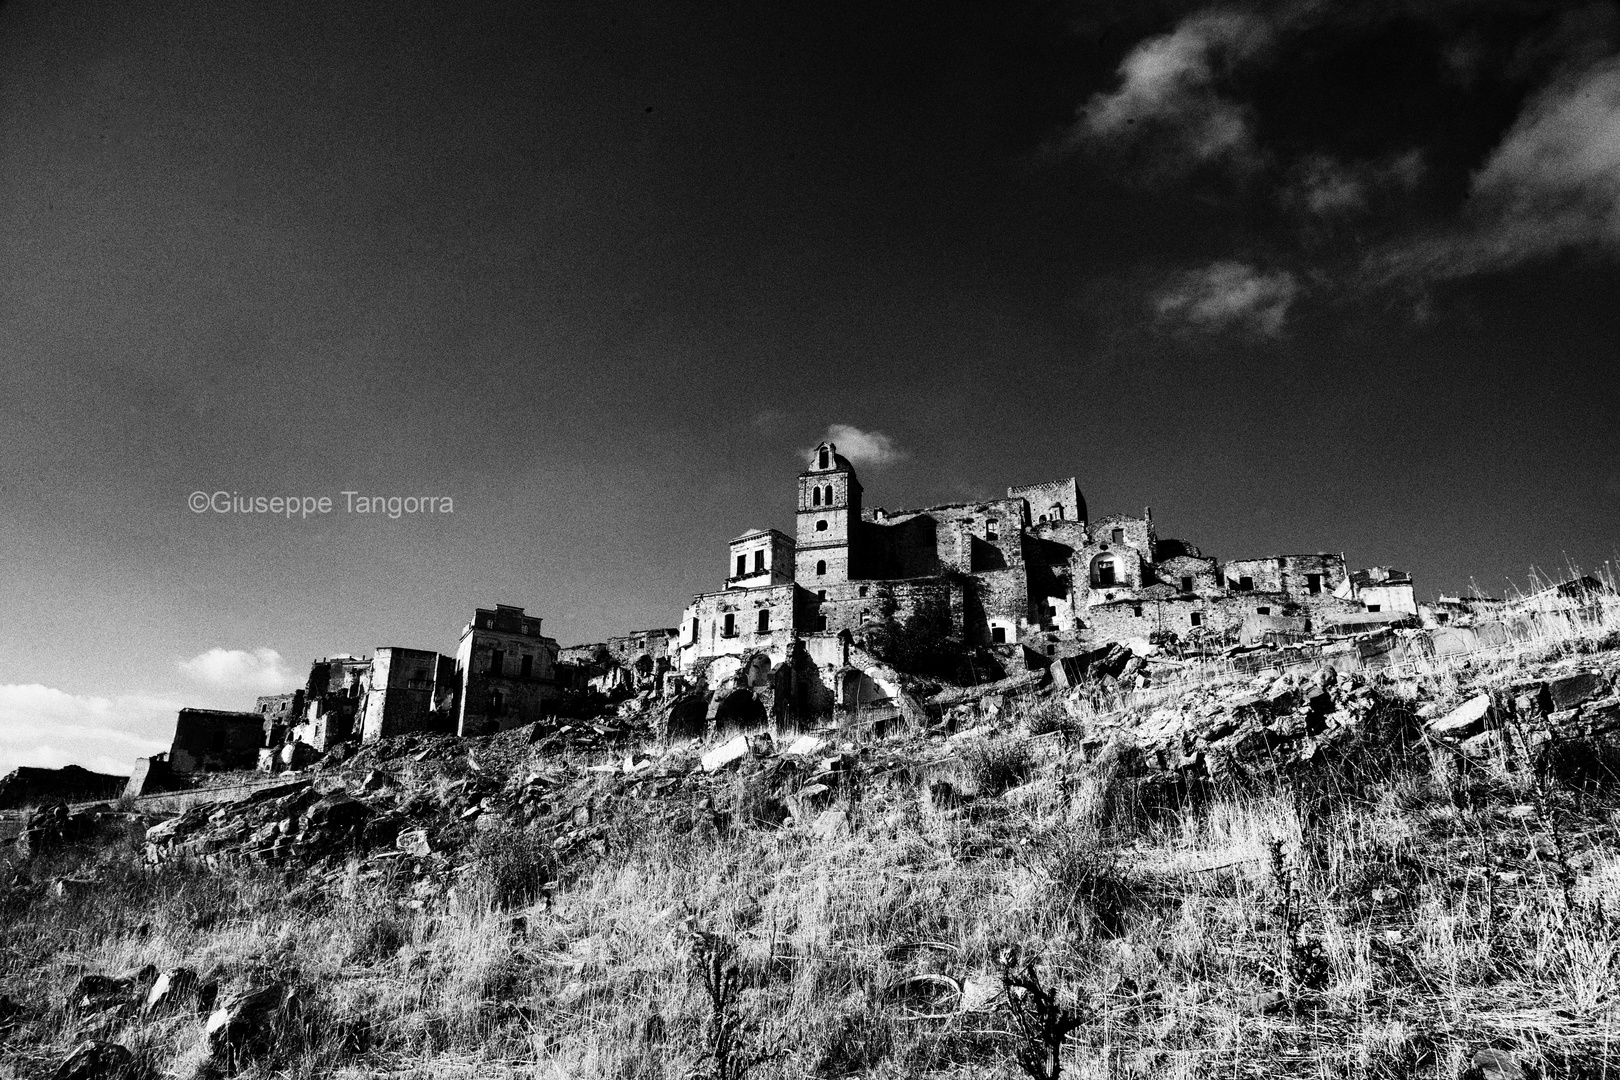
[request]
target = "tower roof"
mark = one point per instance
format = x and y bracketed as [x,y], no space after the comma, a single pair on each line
[825,458]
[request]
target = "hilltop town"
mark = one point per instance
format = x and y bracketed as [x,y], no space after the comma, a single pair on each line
[864,609]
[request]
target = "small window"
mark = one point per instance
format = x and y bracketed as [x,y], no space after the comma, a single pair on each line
[823,457]
[821,567]
[497,661]
[1118,536]
[527,667]
[1313,583]
[764,620]
[828,499]
[998,635]
[821,526]
[821,595]
[863,591]
[759,561]
[694,630]
[1186,584]
[1262,611]
[1051,650]
[1246,584]
[1442,618]
[742,565]
[1102,571]
[1197,618]
[497,703]
[991,534]
[1137,611]
[1375,607]
[730,627]
[1057,513]
[815,495]
[821,622]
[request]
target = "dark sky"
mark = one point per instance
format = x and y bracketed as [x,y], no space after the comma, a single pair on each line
[1301,277]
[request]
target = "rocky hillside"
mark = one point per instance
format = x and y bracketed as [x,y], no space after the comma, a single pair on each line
[1407,872]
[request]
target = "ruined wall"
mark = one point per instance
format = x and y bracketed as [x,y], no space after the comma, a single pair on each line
[208,740]
[1190,574]
[1055,500]
[1397,597]
[653,646]
[1289,574]
[506,670]
[1115,560]
[857,606]
[706,632]
[402,694]
[997,606]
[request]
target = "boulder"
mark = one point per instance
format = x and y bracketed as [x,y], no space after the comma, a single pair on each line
[171,989]
[247,1018]
[414,842]
[1493,1064]
[1573,690]
[1465,720]
[94,1060]
[732,750]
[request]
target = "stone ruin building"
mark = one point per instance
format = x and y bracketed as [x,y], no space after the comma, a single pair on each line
[1028,578]
[504,674]
[800,622]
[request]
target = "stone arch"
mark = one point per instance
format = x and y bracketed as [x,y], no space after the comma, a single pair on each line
[1105,570]
[757,671]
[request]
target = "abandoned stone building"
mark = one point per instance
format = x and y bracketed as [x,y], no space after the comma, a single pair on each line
[1030,571]
[1017,581]
[506,670]
[207,740]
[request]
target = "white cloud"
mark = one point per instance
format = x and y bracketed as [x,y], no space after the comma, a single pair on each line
[1167,86]
[1326,187]
[1231,294]
[1551,185]
[261,670]
[864,447]
[48,728]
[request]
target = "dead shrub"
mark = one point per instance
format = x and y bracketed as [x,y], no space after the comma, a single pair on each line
[513,867]
[993,765]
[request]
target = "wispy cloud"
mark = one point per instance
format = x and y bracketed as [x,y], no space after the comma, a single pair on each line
[1326,187]
[864,447]
[45,727]
[1228,294]
[261,670]
[1551,185]
[1168,89]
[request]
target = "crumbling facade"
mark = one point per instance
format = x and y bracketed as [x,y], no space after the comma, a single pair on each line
[210,740]
[506,670]
[1031,570]
[408,690]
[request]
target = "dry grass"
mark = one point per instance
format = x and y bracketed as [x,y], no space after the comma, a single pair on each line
[1405,925]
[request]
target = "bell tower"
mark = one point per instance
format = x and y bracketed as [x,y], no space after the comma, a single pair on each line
[828,512]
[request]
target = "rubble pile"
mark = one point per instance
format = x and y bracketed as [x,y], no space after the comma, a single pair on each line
[1271,719]
[1531,717]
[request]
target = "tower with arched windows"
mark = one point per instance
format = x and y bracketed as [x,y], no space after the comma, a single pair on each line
[829,512]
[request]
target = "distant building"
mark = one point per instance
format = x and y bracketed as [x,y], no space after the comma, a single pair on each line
[1031,571]
[211,740]
[506,671]
[409,690]
[1381,590]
